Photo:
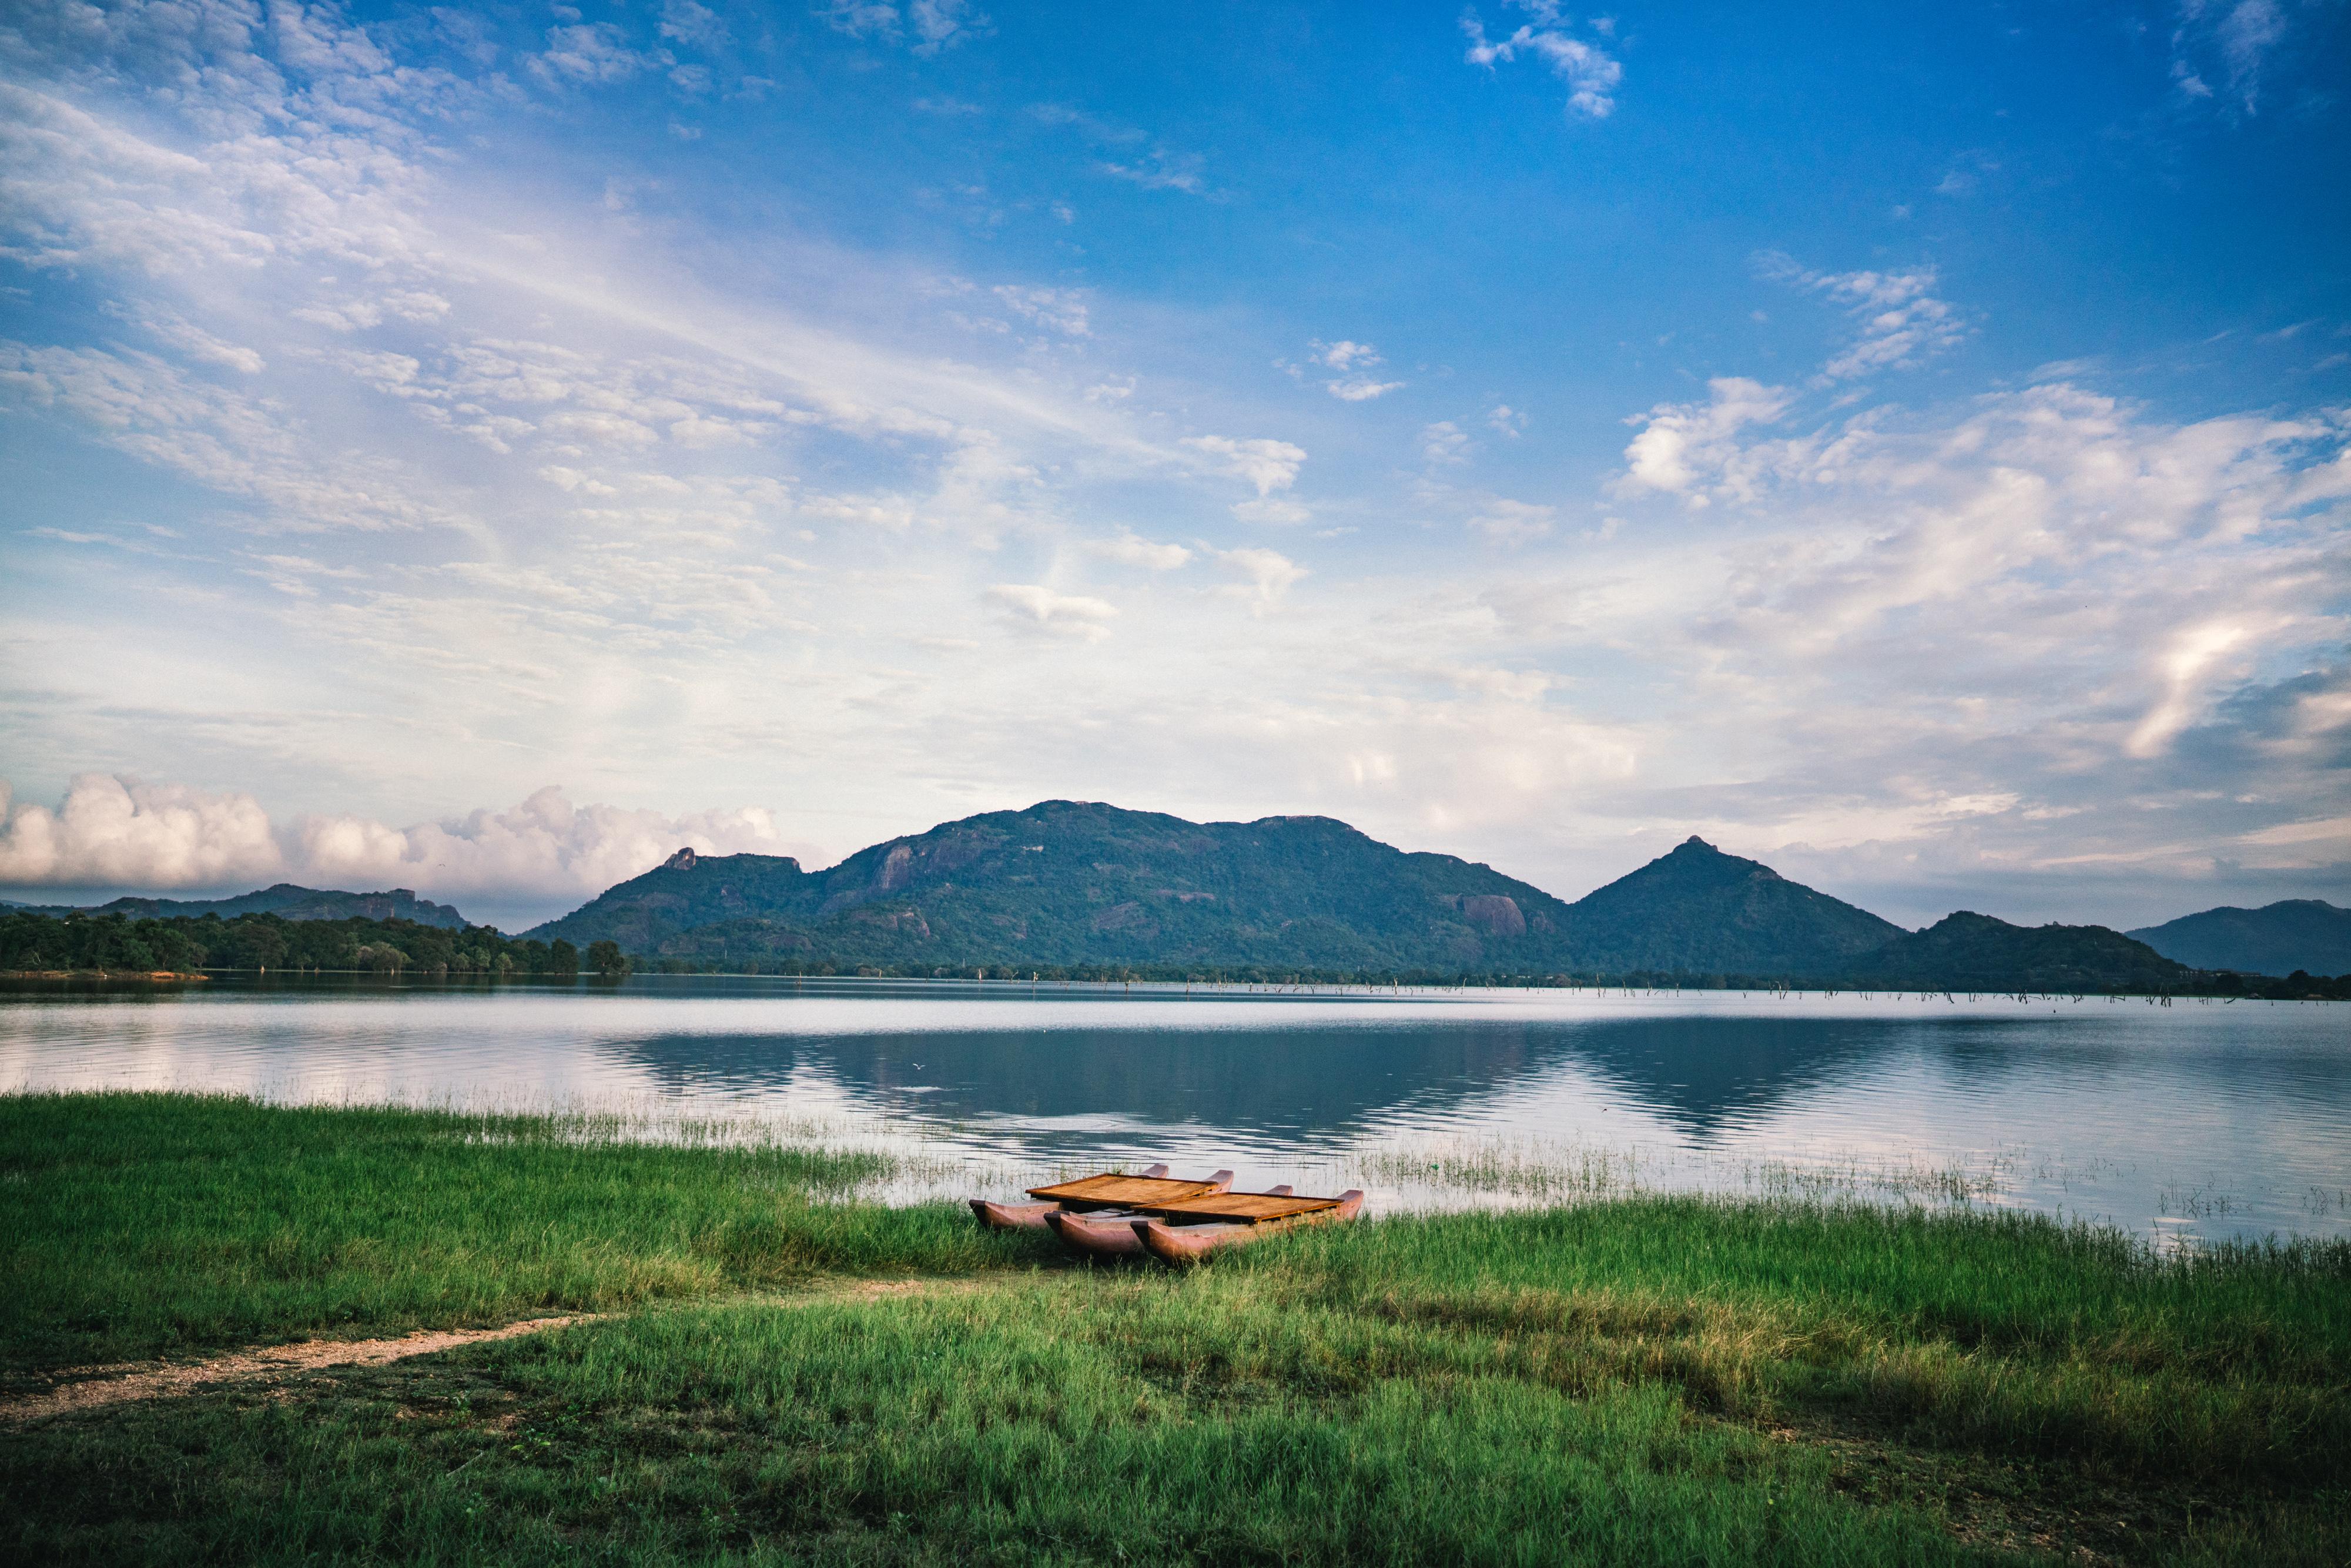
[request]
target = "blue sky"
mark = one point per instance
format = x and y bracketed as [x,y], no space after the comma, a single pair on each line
[480,448]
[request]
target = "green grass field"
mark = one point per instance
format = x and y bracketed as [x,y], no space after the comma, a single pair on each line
[787,1375]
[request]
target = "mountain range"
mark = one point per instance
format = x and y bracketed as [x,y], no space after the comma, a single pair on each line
[286,901]
[1075,887]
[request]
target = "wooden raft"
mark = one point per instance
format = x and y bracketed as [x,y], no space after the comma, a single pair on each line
[1122,1192]
[1241,1208]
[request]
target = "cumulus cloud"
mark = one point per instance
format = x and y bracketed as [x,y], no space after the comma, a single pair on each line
[1690,448]
[116,832]
[1033,607]
[1902,322]
[1591,73]
[1355,362]
[111,833]
[1268,465]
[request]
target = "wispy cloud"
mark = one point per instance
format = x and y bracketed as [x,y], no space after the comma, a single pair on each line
[1033,607]
[1902,322]
[2232,43]
[1592,75]
[927,26]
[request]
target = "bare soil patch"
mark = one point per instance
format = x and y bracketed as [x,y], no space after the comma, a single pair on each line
[99,1386]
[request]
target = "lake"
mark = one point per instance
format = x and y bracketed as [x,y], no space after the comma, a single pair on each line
[2183,1123]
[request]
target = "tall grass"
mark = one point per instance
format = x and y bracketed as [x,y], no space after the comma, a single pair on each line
[1642,1380]
[134,1225]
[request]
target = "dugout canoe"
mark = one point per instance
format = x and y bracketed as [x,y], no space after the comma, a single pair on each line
[1108,1232]
[1111,1190]
[1189,1229]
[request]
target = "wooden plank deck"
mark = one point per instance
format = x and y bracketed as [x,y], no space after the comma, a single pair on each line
[1120,1191]
[1247,1208]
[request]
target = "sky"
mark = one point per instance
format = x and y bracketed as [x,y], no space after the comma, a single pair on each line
[480,449]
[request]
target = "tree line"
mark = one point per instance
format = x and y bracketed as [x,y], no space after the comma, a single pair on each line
[36,944]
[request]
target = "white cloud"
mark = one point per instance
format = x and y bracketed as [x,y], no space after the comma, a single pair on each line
[1902,323]
[1033,607]
[1128,549]
[111,833]
[1354,361]
[202,346]
[1160,169]
[1274,511]
[927,26]
[587,54]
[1267,576]
[1444,443]
[1591,73]
[1509,522]
[2235,40]
[1268,465]
[1061,309]
[1506,419]
[115,833]
[1687,449]
[690,22]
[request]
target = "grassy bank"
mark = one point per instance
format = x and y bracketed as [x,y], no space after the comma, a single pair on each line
[788,1377]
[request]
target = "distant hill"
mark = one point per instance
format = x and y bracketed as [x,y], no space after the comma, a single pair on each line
[1697,911]
[286,901]
[1975,952]
[2304,934]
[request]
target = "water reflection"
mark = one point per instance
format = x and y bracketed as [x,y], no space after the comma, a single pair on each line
[1700,1074]
[2207,1121]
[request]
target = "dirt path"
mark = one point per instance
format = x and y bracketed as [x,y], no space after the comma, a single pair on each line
[94,1387]
[101,1386]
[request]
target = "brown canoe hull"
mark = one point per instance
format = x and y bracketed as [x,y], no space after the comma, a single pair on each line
[1187,1244]
[1094,1236]
[1012,1216]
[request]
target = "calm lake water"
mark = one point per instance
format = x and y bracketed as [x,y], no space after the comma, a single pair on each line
[2192,1121]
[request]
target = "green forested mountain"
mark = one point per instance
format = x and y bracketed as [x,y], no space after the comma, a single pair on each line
[1070,886]
[1975,952]
[2304,934]
[286,901]
[1699,911]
